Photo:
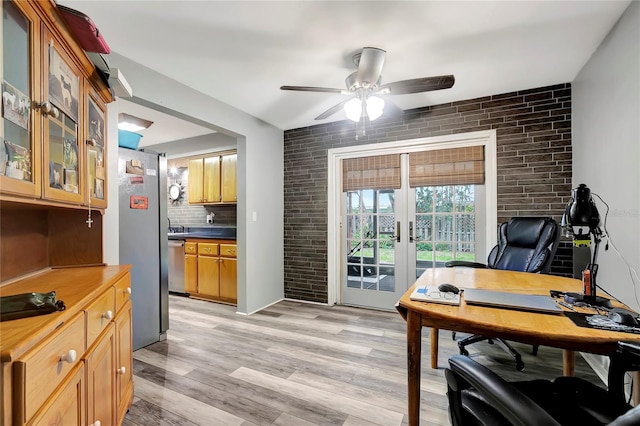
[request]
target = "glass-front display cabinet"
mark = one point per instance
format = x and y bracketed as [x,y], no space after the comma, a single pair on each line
[96,153]
[62,111]
[19,148]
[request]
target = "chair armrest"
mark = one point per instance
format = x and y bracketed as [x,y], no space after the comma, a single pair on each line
[515,406]
[453,263]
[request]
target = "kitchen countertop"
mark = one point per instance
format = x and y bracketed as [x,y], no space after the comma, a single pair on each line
[212,232]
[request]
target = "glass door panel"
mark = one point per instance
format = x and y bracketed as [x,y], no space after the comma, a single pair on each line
[444,225]
[18,153]
[96,170]
[372,249]
[62,152]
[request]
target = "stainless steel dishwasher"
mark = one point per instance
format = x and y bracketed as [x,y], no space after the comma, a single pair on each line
[176,267]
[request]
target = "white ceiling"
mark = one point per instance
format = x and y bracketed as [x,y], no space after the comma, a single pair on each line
[241,52]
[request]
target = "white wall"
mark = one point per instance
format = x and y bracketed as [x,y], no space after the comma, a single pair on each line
[606,153]
[260,180]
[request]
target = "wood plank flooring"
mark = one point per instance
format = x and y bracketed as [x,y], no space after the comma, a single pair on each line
[297,364]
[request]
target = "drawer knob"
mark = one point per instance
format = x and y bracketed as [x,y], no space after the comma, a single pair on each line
[128,290]
[97,423]
[69,357]
[122,370]
[108,315]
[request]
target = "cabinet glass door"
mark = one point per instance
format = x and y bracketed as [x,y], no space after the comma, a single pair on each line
[62,152]
[96,171]
[18,151]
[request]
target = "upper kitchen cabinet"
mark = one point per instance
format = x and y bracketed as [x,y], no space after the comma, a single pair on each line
[53,115]
[212,180]
[204,180]
[228,178]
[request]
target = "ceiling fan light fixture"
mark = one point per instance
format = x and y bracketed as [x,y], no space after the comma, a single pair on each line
[353,109]
[375,107]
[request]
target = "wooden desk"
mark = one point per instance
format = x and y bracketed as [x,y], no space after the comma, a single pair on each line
[526,327]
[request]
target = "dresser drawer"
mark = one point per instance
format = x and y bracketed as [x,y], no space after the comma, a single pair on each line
[99,313]
[190,248]
[123,291]
[207,249]
[39,372]
[228,250]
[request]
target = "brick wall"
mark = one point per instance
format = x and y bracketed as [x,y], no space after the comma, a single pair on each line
[534,169]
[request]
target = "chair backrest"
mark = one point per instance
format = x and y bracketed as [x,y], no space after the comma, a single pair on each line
[526,244]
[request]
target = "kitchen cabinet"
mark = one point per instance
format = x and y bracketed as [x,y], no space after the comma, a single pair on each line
[228,274]
[124,362]
[68,405]
[212,180]
[101,370]
[67,367]
[208,269]
[228,178]
[191,267]
[212,273]
[47,84]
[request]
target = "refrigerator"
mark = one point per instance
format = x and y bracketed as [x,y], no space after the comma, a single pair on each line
[142,178]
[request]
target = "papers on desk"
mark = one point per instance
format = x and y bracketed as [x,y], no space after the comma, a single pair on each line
[432,294]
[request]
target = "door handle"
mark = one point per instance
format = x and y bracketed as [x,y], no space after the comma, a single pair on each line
[411,231]
[398,231]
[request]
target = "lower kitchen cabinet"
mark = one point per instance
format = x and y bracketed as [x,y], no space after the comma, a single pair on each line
[212,273]
[71,367]
[67,406]
[101,366]
[124,362]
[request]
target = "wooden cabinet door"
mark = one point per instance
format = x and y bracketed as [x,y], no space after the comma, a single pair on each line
[67,406]
[208,275]
[124,362]
[190,273]
[211,179]
[229,192]
[20,124]
[196,180]
[101,366]
[228,279]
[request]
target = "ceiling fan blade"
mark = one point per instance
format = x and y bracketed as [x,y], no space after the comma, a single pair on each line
[332,110]
[416,85]
[314,89]
[370,65]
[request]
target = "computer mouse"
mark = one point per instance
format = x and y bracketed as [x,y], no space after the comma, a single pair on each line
[450,288]
[624,317]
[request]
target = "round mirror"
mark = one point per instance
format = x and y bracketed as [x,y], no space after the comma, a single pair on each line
[175,192]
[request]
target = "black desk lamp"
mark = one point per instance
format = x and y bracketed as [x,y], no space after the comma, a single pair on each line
[582,221]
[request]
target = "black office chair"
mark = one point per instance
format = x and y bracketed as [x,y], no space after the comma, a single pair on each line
[478,396]
[526,244]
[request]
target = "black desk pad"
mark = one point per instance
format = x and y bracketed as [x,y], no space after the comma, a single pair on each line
[600,322]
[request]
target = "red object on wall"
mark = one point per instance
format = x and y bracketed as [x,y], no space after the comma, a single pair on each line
[138,202]
[84,30]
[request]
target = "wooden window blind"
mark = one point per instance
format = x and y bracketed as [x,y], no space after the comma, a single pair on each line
[377,172]
[443,167]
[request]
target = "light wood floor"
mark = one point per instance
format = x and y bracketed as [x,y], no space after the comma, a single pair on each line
[299,364]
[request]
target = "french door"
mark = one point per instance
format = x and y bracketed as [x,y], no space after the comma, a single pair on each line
[390,236]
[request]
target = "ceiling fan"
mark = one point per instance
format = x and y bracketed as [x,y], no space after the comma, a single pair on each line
[364,86]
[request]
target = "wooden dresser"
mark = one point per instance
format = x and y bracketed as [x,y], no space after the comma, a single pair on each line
[72,367]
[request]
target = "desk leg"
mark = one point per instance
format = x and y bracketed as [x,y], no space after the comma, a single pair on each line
[414,349]
[435,333]
[568,362]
